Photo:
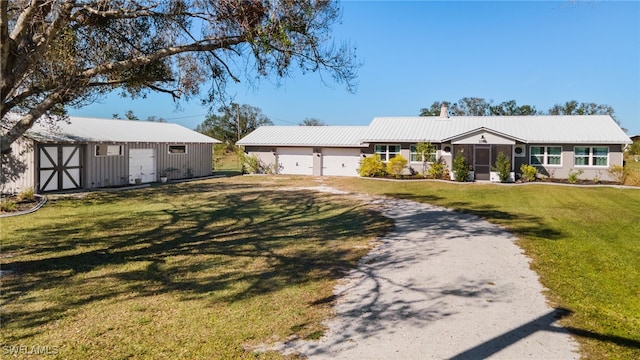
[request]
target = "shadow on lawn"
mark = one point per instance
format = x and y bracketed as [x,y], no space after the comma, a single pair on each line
[520,224]
[195,240]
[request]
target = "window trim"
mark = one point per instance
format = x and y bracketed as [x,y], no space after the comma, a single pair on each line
[120,151]
[386,154]
[591,157]
[177,145]
[545,155]
[412,152]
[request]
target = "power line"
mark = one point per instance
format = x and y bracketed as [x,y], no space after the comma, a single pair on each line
[185,117]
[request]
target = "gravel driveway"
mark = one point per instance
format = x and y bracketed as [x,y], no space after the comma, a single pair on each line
[442,285]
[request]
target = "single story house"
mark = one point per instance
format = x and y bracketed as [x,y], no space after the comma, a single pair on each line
[88,153]
[556,145]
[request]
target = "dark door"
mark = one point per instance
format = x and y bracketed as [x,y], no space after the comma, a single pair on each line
[482,162]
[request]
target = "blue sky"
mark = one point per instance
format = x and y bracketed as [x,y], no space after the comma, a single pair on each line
[414,53]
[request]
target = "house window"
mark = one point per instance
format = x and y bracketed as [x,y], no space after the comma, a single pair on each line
[177,149]
[108,150]
[546,155]
[387,152]
[415,157]
[591,156]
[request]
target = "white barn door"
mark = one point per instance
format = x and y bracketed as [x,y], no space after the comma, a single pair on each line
[142,165]
[60,167]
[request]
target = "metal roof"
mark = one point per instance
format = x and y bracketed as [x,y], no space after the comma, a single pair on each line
[584,129]
[82,130]
[335,136]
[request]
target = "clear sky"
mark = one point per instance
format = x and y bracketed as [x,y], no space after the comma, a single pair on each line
[414,53]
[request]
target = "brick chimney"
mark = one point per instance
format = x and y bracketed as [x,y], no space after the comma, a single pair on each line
[444,111]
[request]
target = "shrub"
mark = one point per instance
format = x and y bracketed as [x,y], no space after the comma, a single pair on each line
[436,170]
[573,176]
[396,165]
[8,205]
[371,166]
[251,164]
[619,173]
[461,170]
[529,172]
[503,167]
[26,195]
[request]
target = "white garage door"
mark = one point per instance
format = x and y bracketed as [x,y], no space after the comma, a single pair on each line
[340,162]
[142,165]
[295,161]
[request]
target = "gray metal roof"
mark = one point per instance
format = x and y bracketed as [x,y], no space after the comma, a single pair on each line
[82,130]
[335,136]
[590,129]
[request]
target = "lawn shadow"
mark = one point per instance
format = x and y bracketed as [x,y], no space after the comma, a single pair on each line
[521,224]
[245,240]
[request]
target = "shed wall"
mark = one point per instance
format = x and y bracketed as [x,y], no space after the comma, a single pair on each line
[105,171]
[18,167]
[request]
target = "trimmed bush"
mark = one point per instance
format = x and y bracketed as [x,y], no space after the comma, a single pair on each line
[371,166]
[396,165]
[437,170]
[528,172]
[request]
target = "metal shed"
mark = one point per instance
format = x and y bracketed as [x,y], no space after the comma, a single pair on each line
[87,153]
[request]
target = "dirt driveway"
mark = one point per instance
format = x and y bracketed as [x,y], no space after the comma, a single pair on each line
[442,285]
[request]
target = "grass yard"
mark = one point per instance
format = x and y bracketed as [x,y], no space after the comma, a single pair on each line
[208,269]
[584,242]
[196,270]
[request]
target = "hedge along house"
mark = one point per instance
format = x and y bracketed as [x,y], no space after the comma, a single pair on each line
[308,150]
[88,153]
[556,145]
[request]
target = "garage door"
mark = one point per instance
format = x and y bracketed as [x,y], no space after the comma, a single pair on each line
[60,167]
[340,162]
[295,161]
[142,165]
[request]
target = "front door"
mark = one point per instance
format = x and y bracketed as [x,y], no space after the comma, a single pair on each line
[482,162]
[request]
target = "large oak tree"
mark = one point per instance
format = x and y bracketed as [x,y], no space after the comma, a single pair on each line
[57,54]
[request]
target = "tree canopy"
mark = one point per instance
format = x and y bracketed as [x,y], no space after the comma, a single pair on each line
[60,54]
[472,106]
[233,122]
[312,122]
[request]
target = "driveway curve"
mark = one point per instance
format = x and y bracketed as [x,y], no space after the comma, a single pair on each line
[442,285]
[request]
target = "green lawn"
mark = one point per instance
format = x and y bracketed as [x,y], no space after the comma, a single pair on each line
[209,267]
[585,245]
[195,270]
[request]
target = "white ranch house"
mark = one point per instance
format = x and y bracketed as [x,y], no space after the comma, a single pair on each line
[88,153]
[556,145]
